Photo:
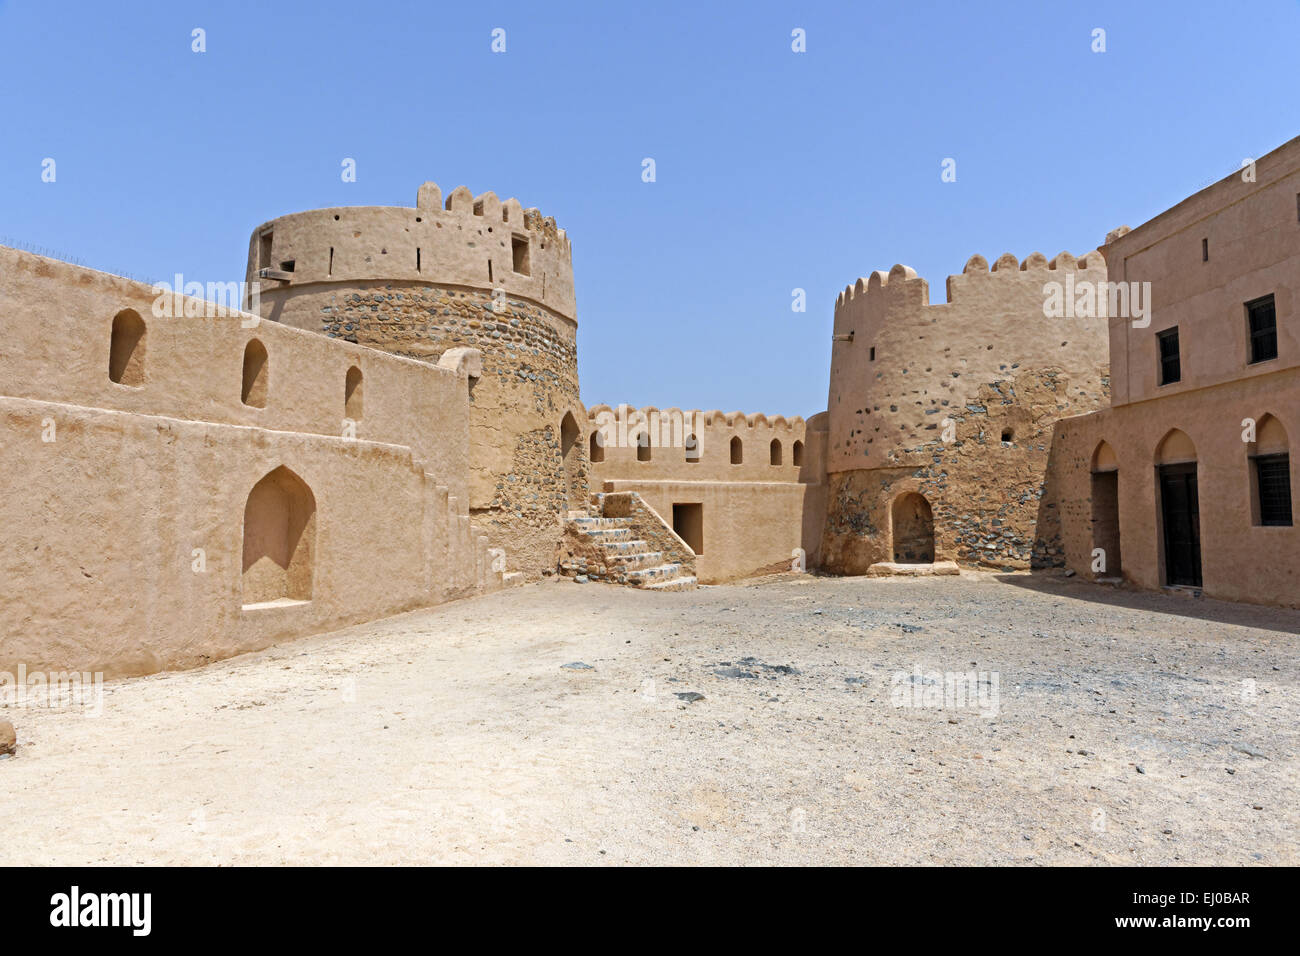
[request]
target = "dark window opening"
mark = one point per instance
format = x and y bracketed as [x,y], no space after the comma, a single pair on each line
[737,451]
[1273,485]
[1205,250]
[1261,314]
[776,451]
[287,265]
[519,253]
[1007,435]
[417,259]
[1170,367]
[873,353]
[489,270]
[264,250]
[597,451]
[688,522]
[796,454]
[643,447]
[331,270]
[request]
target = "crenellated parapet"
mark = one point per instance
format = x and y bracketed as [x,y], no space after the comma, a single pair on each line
[694,444]
[902,283]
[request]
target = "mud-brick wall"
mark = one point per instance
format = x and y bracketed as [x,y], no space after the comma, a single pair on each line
[520,482]
[993,502]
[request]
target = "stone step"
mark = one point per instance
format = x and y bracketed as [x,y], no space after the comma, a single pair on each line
[659,572]
[608,534]
[633,561]
[594,522]
[635,546]
[685,582]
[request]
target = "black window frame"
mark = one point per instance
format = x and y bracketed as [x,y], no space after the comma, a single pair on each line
[1165,361]
[1275,503]
[1260,340]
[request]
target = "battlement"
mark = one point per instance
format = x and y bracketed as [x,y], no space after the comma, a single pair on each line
[649,413]
[1005,268]
[461,241]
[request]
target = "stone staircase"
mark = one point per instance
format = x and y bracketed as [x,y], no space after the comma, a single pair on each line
[609,549]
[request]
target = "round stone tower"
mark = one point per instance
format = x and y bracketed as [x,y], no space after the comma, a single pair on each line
[941,416]
[472,272]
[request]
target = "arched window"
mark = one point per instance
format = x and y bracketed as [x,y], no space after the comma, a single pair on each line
[643,446]
[776,451]
[692,448]
[279,539]
[796,454]
[256,374]
[597,452]
[352,406]
[737,450]
[126,349]
[1270,459]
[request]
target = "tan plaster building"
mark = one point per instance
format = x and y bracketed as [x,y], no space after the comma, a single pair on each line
[1187,479]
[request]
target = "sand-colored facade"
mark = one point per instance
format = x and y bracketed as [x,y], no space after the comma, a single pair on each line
[400,420]
[1224,257]
[180,487]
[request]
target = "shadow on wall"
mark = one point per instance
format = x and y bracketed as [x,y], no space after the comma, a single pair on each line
[1281,620]
[1049,545]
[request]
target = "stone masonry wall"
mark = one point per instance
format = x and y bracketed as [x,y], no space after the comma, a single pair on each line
[994,503]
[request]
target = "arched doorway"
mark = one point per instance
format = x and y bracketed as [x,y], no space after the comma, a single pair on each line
[570,454]
[1179,509]
[1105,560]
[913,529]
[279,539]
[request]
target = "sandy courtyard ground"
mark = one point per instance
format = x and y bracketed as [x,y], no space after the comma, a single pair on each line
[1129,728]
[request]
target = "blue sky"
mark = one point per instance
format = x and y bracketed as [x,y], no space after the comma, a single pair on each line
[775,170]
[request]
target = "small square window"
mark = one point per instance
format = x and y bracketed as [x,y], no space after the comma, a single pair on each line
[1170,366]
[1261,317]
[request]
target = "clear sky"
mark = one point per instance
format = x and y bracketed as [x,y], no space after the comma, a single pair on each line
[775,170]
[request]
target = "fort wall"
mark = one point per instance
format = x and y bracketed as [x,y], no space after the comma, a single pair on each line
[164,508]
[747,490]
